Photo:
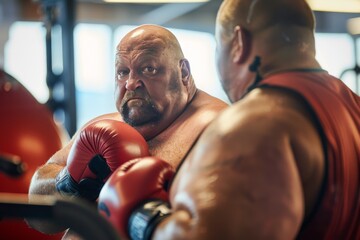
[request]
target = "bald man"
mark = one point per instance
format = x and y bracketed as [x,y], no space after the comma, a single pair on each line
[283,162]
[166,107]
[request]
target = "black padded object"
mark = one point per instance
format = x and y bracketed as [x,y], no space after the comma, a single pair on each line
[81,216]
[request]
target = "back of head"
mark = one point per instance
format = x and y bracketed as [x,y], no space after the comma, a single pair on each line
[271,24]
[279,32]
[257,15]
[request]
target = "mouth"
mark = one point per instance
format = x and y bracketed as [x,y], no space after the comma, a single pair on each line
[135,102]
[134,99]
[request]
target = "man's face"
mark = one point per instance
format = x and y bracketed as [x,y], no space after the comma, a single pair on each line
[148,85]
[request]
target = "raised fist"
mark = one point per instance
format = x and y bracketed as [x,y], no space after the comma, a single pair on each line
[98,150]
[135,197]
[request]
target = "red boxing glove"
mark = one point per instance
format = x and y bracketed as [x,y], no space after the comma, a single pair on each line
[99,149]
[135,197]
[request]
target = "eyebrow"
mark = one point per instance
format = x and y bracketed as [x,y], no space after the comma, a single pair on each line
[146,53]
[143,57]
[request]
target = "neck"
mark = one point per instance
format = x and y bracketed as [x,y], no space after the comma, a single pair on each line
[283,47]
[288,60]
[192,90]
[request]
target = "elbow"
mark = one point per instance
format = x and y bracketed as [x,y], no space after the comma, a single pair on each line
[177,226]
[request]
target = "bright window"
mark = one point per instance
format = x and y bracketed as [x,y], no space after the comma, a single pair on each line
[25,57]
[335,52]
[93,71]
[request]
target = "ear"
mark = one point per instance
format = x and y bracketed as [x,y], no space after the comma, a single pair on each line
[185,71]
[241,45]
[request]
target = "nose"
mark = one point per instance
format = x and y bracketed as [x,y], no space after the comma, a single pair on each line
[133,83]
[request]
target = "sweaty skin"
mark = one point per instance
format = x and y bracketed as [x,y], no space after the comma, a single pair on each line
[256,171]
[156,94]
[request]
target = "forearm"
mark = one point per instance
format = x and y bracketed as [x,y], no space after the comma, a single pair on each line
[43,183]
[43,180]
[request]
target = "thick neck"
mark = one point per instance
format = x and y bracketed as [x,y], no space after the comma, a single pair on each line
[285,47]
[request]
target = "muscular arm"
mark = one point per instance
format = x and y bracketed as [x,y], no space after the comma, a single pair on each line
[43,183]
[43,180]
[242,180]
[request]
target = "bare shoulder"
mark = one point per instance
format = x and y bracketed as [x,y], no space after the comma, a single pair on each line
[206,101]
[60,156]
[269,107]
[265,118]
[203,108]
[199,113]
[113,115]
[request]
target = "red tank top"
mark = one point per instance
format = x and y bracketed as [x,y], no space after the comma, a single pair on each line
[337,109]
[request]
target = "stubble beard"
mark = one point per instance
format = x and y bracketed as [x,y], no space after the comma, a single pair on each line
[149,114]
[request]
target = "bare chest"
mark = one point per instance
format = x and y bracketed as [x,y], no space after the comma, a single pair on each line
[173,144]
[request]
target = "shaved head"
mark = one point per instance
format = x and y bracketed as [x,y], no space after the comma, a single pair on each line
[256,15]
[151,38]
[279,32]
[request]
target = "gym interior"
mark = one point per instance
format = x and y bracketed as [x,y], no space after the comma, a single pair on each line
[57,61]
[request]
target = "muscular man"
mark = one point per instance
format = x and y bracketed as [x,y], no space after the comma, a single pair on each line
[283,162]
[156,94]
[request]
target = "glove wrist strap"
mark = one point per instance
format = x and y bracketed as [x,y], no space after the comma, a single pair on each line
[145,218]
[65,184]
[87,188]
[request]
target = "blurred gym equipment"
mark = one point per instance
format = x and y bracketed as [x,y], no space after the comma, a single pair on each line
[78,215]
[28,138]
[60,14]
[353,26]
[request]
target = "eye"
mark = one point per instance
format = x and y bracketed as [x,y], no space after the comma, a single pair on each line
[149,70]
[121,73]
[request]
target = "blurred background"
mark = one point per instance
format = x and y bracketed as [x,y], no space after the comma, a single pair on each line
[60,57]
[63,51]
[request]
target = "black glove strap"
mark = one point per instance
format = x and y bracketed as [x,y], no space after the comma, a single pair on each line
[145,218]
[87,188]
[65,184]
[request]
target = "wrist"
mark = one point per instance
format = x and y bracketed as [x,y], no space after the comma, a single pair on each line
[146,217]
[87,188]
[65,184]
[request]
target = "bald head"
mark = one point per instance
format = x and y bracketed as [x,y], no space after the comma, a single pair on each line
[151,38]
[257,15]
[278,32]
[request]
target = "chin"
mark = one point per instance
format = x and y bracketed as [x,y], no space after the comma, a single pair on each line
[141,122]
